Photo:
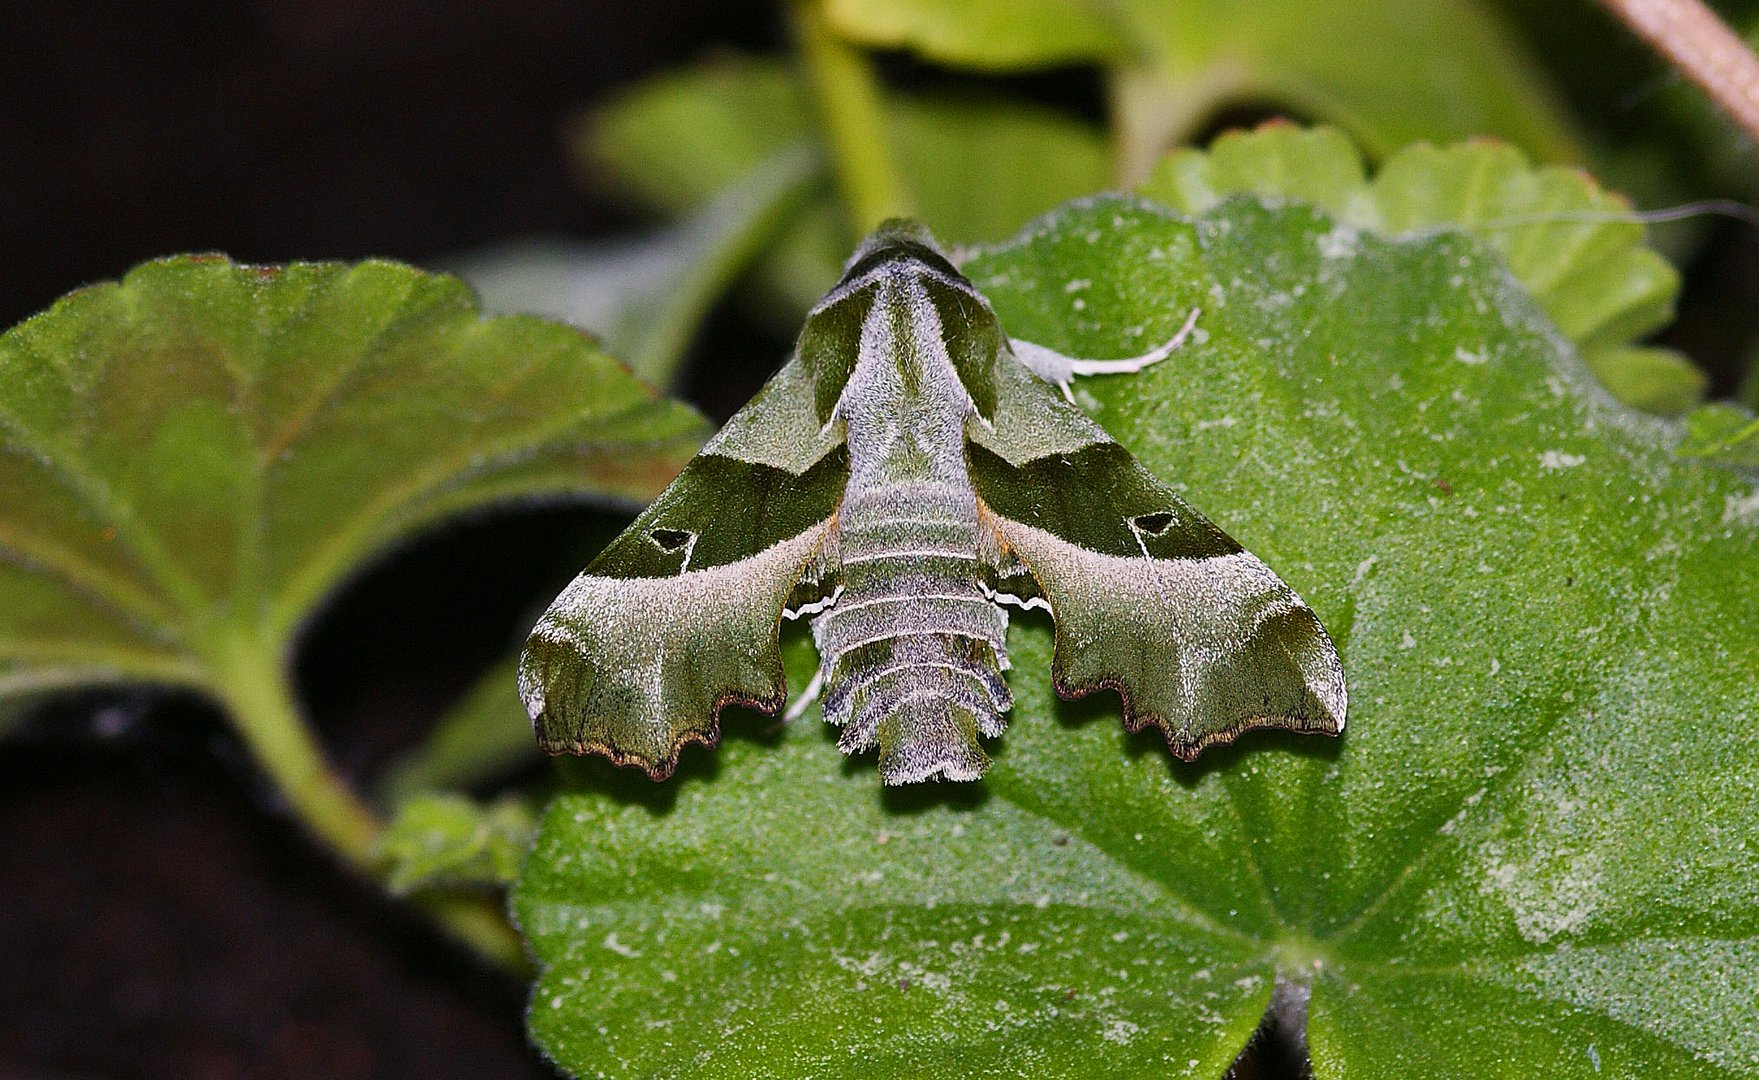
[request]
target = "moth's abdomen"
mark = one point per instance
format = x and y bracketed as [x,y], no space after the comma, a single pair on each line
[913,650]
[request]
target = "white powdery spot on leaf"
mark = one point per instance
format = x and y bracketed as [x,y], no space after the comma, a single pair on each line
[1744,508]
[618,947]
[1554,460]
[1575,857]
[917,975]
[1466,807]
[1546,896]
[1697,993]
[1341,242]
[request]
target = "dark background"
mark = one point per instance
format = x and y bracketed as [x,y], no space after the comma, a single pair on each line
[159,916]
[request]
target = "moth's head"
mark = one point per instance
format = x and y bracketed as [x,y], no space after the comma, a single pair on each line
[897,238]
[894,231]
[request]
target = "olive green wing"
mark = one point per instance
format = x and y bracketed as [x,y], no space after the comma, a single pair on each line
[1199,637]
[679,616]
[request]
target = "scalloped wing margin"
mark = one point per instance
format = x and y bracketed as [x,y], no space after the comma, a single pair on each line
[679,616]
[1200,638]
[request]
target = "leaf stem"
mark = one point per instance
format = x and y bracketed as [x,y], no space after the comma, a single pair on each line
[1702,46]
[253,684]
[481,923]
[852,114]
[251,680]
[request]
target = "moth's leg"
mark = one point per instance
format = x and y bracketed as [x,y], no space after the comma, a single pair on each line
[807,696]
[1059,370]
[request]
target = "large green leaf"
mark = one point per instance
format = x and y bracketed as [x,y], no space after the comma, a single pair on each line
[192,457]
[977,169]
[1533,853]
[1391,71]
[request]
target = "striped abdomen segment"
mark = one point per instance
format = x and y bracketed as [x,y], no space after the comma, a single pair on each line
[913,650]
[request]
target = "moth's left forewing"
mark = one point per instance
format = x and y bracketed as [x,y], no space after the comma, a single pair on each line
[678,617]
[1151,599]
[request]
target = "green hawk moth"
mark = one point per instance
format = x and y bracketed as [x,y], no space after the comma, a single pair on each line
[909,473]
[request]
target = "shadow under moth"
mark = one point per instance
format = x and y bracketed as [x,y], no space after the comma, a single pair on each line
[907,473]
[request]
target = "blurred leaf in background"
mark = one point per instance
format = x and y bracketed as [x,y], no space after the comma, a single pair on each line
[1390,72]
[192,458]
[450,841]
[1655,134]
[976,168]
[1555,228]
[646,297]
[1722,432]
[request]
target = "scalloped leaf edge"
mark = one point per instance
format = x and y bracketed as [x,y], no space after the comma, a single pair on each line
[1565,238]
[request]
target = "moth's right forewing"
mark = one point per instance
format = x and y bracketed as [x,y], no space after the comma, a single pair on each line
[1151,599]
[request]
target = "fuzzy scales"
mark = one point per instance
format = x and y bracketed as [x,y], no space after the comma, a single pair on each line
[913,648]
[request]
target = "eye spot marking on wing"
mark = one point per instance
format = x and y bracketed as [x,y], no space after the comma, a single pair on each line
[672,542]
[1155,524]
[670,539]
[1150,526]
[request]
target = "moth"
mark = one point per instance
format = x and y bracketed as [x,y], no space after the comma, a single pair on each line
[910,474]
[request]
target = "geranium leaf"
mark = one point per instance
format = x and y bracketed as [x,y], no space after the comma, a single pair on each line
[1722,432]
[1655,380]
[984,34]
[1559,232]
[192,457]
[1533,852]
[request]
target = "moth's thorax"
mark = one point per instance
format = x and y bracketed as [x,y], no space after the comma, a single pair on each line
[904,408]
[913,647]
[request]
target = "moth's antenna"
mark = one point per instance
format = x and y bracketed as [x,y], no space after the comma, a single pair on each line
[1720,207]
